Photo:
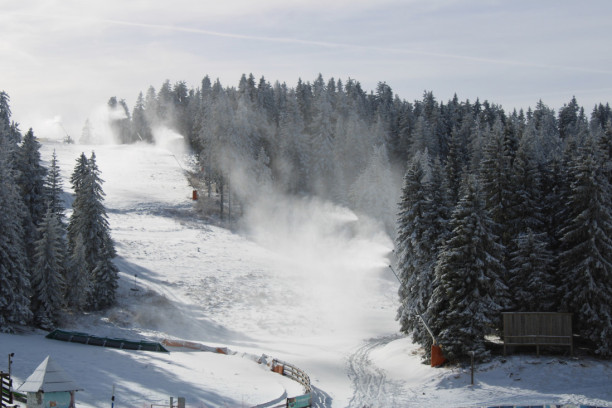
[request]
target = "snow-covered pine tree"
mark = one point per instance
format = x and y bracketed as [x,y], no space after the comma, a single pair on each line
[322,165]
[31,179]
[78,276]
[75,223]
[142,128]
[465,305]
[9,128]
[48,271]
[373,192]
[89,220]
[530,263]
[292,154]
[87,134]
[605,144]
[14,275]
[525,193]
[420,232]
[586,250]
[495,181]
[79,173]
[531,283]
[54,190]
[454,167]
[415,280]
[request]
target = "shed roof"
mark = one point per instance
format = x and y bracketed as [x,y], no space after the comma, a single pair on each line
[49,377]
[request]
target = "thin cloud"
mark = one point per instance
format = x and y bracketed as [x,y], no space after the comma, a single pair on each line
[326,44]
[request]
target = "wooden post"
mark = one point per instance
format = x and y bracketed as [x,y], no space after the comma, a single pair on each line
[472,359]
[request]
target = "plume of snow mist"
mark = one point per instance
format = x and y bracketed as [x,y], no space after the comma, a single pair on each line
[97,128]
[168,139]
[330,260]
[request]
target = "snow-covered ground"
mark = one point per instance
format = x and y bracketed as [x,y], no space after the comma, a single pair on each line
[300,280]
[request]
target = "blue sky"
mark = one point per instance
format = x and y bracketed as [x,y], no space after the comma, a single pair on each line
[60,59]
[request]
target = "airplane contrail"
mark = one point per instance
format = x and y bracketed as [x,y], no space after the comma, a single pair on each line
[330,44]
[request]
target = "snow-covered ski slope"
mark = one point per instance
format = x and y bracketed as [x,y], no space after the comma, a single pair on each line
[300,280]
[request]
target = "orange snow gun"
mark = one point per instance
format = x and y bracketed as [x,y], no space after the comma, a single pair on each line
[437,358]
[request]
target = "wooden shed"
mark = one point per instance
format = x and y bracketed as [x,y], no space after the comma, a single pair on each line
[49,387]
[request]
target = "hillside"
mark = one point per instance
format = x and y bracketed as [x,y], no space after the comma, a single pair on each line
[300,280]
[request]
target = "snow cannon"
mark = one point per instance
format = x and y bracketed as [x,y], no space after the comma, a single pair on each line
[437,358]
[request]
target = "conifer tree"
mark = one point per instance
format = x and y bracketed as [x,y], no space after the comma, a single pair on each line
[31,179]
[90,222]
[495,180]
[605,145]
[467,289]
[54,190]
[142,128]
[48,272]
[372,192]
[14,275]
[76,179]
[420,232]
[78,277]
[531,284]
[530,263]
[586,250]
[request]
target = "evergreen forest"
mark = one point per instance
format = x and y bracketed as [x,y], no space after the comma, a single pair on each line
[491,211]
[49,266]
[496,211]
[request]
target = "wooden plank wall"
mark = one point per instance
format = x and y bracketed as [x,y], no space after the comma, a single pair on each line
[538,328]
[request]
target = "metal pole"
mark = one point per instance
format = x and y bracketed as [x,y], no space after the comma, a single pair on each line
[428,329]
[421,317]
[393,270]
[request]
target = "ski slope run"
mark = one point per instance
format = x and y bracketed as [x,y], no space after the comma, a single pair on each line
[299,280]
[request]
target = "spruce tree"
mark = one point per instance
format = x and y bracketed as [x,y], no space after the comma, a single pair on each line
[420,232]
[468,291]
[530,263]
[78,277]
[76,179]
[90,222]
[531,283]
[14,275]
[54,190]
[586,250]
[48,272]
[413,257]
[31,179]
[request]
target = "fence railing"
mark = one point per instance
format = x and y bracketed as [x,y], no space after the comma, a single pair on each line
[291,371]
[6,396]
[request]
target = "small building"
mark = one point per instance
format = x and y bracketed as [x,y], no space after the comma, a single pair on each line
[49,387]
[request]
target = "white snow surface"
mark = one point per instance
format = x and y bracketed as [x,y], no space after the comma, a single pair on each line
[299,280]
